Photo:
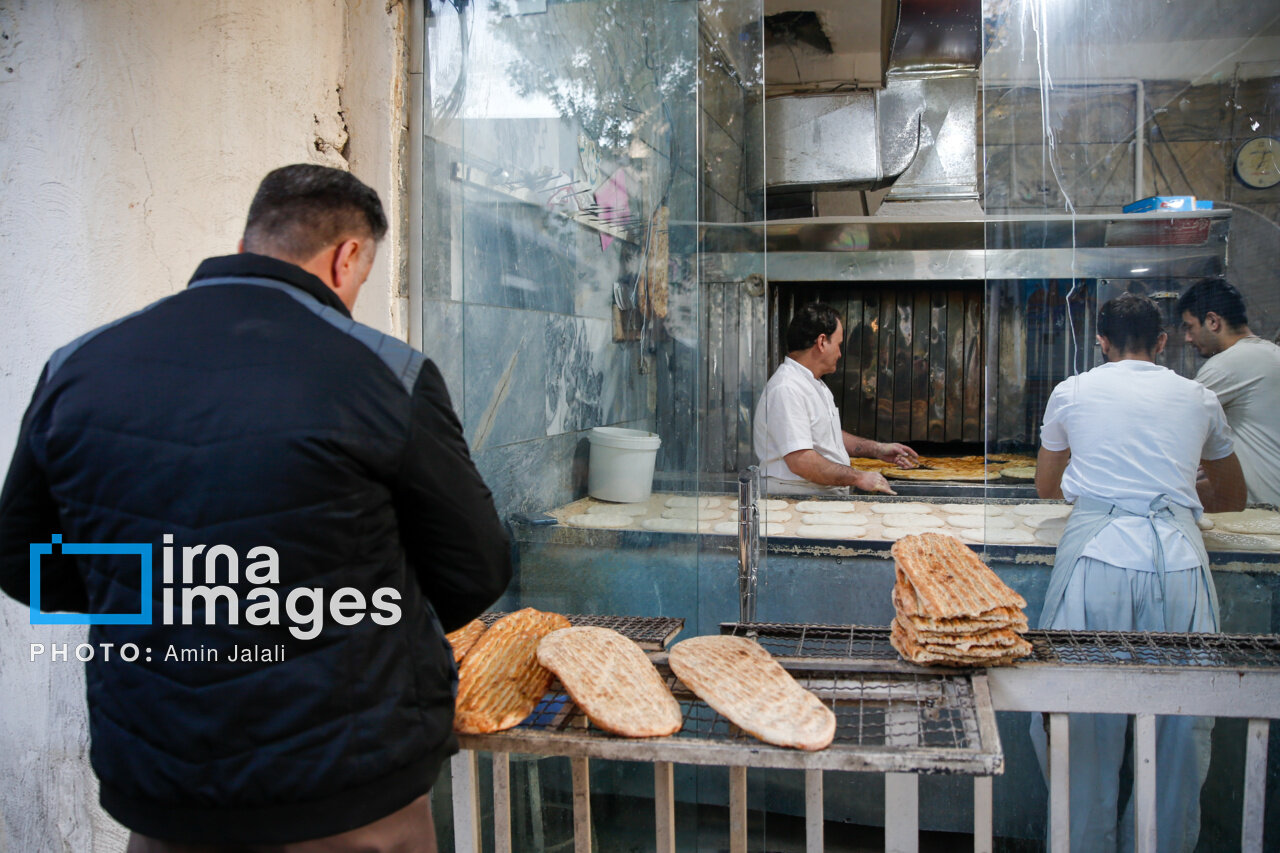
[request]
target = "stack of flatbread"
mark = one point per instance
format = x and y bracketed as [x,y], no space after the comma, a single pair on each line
[952,610]
[500,680]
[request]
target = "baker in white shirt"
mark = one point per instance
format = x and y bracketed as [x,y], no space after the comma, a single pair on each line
[1244,371]
[1122,443]
[797,434]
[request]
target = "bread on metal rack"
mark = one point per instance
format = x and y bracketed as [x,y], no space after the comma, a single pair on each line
[952,610]
[500,680]
[609,677]
[742,681]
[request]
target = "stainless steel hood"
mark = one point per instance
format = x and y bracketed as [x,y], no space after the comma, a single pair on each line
[879,248]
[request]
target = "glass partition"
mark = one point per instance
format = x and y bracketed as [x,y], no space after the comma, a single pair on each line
[573,154]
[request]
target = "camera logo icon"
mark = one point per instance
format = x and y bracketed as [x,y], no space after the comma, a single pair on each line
[141,549]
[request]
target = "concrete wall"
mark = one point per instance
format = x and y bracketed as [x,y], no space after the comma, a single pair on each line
[132,136]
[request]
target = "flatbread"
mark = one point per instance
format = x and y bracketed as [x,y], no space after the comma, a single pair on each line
[685,501]
[730,528]
[612,681]
[618,509]
[600,519]
[694,512]
[1017,472]
[927,474]
[464,638]
[971,520]
[948,579]
[910,649]
[994,642]
[500,680]
[764,504]
[822,518]
[903,519]
[827,506]
[831,531]
[1262,521]
[908,609]
[742,682]
[998,536]
[899,507]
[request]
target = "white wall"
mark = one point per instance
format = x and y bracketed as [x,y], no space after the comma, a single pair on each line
[132,136]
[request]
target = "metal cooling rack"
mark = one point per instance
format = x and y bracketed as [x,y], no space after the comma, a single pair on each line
[867,647]
[885,722]
[651,633]
[1234,651]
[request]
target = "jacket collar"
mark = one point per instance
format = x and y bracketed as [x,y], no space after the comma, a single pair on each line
[249,265]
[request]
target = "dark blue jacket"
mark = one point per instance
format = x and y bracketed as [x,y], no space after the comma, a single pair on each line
[251,410]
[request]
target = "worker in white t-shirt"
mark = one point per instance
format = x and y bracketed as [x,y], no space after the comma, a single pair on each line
[798,439]
[1244,371]
[1122,443]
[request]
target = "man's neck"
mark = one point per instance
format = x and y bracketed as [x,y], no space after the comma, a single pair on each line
[801,358]
[1233,337]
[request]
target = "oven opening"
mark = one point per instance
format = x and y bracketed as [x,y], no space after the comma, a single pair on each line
[952,368]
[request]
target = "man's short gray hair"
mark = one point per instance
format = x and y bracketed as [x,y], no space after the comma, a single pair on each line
[301,209]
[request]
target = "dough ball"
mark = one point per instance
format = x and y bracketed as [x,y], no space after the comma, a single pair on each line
[1016,536]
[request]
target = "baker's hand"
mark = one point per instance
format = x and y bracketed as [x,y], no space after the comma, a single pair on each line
[898,454]
[870,481]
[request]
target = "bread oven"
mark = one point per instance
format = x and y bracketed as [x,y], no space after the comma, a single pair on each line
[956,330]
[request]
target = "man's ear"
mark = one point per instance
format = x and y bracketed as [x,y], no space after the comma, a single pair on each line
[1161,341]
[346,261]
[1213,321]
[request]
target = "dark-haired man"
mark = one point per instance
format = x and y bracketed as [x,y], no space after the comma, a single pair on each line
[314,516]
[797,434]
[1244,371]
[1131,557]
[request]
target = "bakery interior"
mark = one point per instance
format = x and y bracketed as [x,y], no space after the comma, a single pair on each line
[624,203]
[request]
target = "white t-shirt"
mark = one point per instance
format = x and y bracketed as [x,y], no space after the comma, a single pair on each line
[1246,378]
[796,412]
[1136,430]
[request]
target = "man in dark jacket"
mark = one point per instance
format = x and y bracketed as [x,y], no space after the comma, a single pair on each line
[302,522]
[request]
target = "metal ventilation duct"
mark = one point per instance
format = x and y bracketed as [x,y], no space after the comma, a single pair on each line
[917,134]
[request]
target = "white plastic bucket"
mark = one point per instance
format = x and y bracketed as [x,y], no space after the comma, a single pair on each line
[621,466]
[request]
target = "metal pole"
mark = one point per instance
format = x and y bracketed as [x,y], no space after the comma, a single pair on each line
[748,542]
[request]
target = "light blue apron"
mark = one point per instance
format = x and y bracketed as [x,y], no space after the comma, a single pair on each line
[1087,520]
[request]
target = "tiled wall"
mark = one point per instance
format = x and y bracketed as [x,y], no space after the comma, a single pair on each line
[1191,136]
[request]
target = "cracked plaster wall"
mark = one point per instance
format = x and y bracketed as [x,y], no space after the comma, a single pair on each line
[132,136]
